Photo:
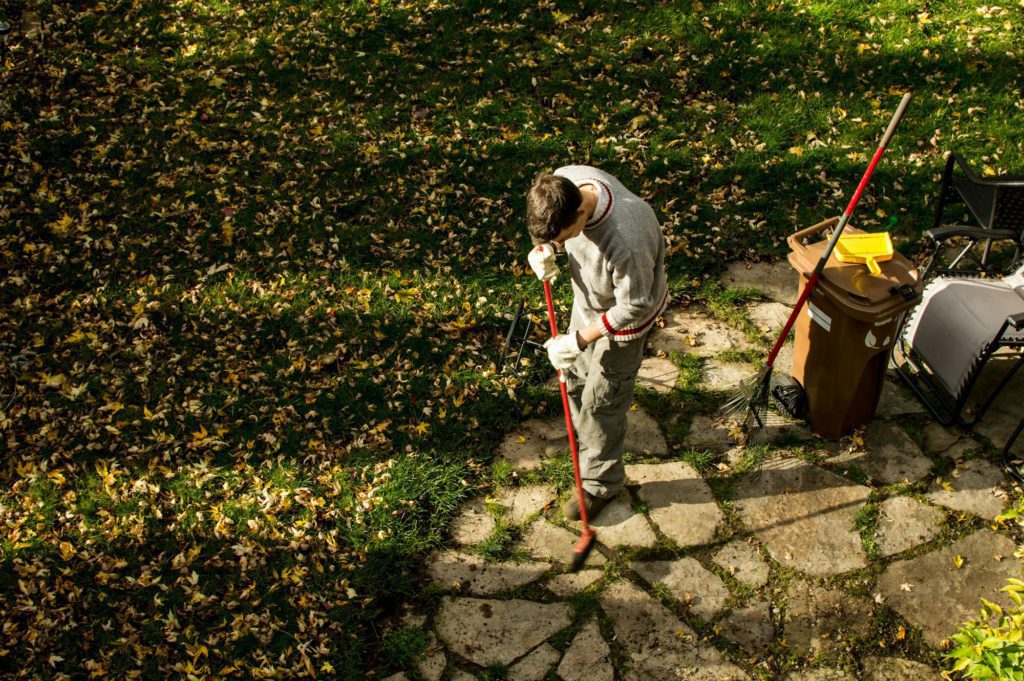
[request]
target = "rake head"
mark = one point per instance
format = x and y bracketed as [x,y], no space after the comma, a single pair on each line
[518,338]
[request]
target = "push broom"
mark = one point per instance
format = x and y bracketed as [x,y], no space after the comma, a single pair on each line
[752,395]
[585,545]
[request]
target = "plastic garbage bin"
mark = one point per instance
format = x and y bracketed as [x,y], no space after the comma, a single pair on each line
[845,333]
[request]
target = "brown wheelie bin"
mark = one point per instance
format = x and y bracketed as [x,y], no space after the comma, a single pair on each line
[846,331]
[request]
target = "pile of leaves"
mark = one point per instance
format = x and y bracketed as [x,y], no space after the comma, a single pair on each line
[257,258]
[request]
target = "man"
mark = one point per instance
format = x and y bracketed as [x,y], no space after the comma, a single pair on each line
[616,256]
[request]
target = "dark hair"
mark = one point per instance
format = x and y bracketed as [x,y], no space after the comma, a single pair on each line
[551,206]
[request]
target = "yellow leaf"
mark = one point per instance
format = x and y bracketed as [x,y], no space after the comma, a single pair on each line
[796,151]
[901,633]
[57,477]
[217,82]
[561,17]
[66,550]
[51,380]
[62,226]
[638,122]
[521,439]
[958,560]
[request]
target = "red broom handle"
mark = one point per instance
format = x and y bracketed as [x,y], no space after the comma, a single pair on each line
[568,414]
[813,280]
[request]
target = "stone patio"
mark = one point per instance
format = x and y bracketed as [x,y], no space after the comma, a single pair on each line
[717,574]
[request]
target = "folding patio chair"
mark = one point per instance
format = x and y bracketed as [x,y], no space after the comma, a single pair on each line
[995,206]
[948,339]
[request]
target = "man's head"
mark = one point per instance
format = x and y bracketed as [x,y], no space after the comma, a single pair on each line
[553,205]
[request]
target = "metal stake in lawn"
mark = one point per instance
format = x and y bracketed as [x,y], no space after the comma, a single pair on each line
[752,395]
[585,545]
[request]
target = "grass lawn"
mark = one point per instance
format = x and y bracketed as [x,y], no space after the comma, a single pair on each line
[256,260]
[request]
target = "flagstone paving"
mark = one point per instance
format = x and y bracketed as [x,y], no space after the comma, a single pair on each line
[690,331]
[659,374]
[939,590]
[680,502]
[702,592]
[778,281]
[536,665]
[743,563]
[620,526]
[521,503]
[973,487]
[454,571]
[710,433]
[888,456]
[587,658]
[804,516]
[897,669]
[751,627]
[715,574]
[904,523]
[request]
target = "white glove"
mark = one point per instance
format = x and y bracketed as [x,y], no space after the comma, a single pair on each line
[542,260]
[562,351]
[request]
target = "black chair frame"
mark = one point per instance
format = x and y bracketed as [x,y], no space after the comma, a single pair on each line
[996,205]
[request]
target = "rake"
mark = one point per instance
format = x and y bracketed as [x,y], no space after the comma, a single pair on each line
[752,396]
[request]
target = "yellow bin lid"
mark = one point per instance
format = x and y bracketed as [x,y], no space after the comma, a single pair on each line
[869,249]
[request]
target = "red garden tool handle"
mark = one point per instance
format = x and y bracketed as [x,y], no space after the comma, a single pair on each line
[813,279]
[568,414]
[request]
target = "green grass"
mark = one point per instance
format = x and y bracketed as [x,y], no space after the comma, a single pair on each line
[258,259]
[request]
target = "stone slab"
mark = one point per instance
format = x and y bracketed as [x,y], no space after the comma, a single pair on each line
[432,663]
[708,433]
[472,523]
[743,562]
[804,516]
[618,525]
[536,665]
[888,456]
[520,503]
[657,645]
[659,374]
[820,675]
[897,669]
[769,318]
[588,657]
[397,677]
[452,570]
[724,377]
[573,582]
[460,675]
[932,593]
[938,438]
[545,541]
[904,523]
[643,435]
[533,441]
[692,331]
[701,591]
[972,487]
[489,632]
[777,280]
[818,620]
[964,448]
[895,401]
[751,627]
[680,502]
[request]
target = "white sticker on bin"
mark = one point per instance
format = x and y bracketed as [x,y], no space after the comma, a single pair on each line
[819,317]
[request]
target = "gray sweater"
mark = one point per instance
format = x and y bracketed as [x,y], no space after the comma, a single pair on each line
[618,263]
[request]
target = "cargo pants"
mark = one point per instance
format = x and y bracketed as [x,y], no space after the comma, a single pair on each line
[600,386]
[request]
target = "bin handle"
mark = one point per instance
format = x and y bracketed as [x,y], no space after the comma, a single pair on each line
[795,241]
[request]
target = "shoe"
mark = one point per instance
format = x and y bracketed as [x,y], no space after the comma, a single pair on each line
[571,508]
